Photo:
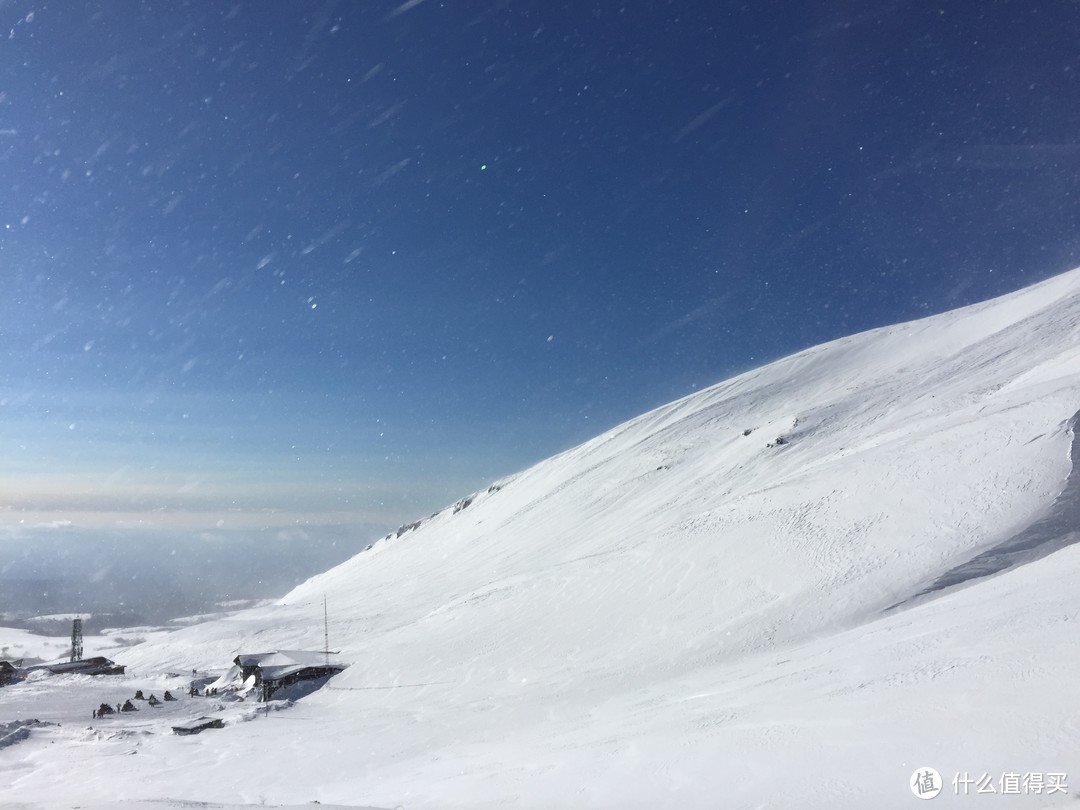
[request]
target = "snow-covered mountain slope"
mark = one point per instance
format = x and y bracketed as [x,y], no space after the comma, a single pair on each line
[727,602]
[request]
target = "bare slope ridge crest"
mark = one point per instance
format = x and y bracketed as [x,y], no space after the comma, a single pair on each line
[758,525]
[791,500]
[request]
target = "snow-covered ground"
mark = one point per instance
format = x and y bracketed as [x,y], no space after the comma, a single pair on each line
[683,612]
[16,644]
[22,644]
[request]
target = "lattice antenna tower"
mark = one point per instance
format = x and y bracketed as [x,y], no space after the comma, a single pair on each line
[76,639]
[326,631]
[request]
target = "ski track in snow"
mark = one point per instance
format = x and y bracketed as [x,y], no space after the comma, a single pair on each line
[678,613]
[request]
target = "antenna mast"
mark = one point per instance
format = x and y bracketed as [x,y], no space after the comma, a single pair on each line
[326,631]
[76,639]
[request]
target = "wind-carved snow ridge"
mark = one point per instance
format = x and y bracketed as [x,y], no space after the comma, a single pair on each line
[1058,528]
[16,731]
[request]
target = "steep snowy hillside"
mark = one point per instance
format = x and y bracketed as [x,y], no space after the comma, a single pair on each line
[754,596]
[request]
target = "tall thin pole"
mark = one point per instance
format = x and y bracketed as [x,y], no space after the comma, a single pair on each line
[326,631]
[76,639]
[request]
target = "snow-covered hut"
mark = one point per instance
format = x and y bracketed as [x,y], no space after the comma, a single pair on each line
[278,670]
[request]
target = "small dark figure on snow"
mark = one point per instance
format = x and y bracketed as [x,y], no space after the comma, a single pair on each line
[104,709]
[128,707]
[168,695]
[154,701]
[139,695]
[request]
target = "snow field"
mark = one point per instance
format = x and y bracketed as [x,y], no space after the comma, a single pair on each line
[678,614]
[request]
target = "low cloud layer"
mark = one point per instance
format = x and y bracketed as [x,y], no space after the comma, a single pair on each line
[135,577]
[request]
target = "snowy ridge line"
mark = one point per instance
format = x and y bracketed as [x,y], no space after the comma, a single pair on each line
[722,400]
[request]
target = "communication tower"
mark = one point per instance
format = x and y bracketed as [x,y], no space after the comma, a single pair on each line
[76,640]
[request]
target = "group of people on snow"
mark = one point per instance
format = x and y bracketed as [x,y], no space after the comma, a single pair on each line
[127,706]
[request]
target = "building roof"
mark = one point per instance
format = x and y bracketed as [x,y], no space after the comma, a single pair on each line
[286,658]
[274,666]
[278,673]
[96,665]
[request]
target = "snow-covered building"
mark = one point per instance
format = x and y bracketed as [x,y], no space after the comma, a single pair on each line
[97,665]
[7,672]
[274,671]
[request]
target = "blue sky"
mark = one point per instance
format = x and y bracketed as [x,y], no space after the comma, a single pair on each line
[342,263]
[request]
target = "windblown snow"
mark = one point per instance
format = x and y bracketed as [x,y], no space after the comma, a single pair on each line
[736,600]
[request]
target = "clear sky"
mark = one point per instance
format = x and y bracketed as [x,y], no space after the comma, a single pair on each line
[279,263]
